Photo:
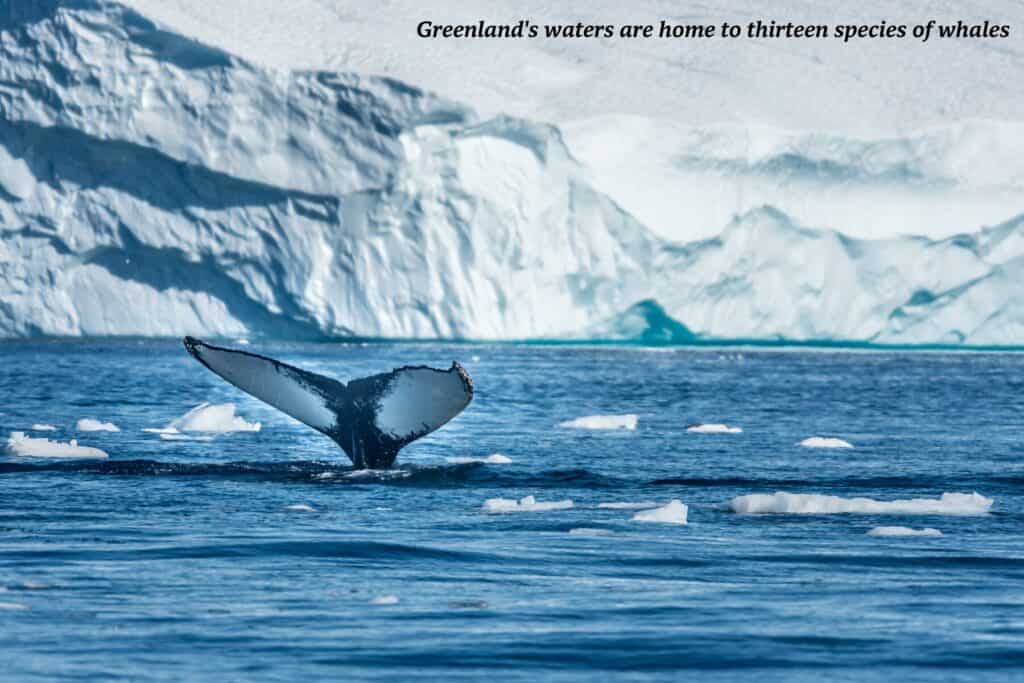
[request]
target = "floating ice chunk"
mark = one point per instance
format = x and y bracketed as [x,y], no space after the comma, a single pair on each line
[903,531]
[174,436]
[43,428]
[498,506]
[824,442]
[300,507]
[673,513]
[26,446]
[87,424]
[602,422]
[242,342]
[213,417]
[817,504]
[642,505]
[713,428]
[590,531]
[12,606]
[385,600]
[492,459]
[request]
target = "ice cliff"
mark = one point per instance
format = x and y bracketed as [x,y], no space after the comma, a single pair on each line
[152,185]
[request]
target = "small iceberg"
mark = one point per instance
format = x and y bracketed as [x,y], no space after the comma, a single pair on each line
[211,418]
[712,428]
[642,505]
[602,422]
[500,506]
[896,531]
[824,442]
[673,513]
[300,507]
[817,504]
[43,428]
[21,444]
[492,459]
[87,424]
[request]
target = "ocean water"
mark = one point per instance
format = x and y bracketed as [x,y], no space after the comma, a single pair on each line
[188,560]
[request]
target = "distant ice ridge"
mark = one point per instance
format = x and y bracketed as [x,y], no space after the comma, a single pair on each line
[673,513]
[817,504]
[253,202]
[713,428]
[500,506]
[219,418]
[88,424]
[902,531]
[627,422]
[20,444]
[824,442]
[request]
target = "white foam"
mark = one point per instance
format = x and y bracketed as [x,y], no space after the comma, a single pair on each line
[713,428]
[173,436]
[21,444]
[642,505]
[602,422]
[87,424]
[300,507]
[903,531]
[590,531]
[12,606]
[385,600]
[673,513]
[43,428]
[378,474]
[213,417]
[824,442]
[492,459]
[817,504]
[499,506]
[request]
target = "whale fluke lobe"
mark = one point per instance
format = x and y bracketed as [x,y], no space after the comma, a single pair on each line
[371,418]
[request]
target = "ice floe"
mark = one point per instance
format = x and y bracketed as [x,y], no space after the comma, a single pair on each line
[492,459]
[12,606]
[43,428]
[498,506]
[211,418]
[88,424]
[673,513]
[642,505]
[21,444]
[817,504]
[602,422]
[713,428]
[824,442]
[903,531]
[385,600]
[300,507]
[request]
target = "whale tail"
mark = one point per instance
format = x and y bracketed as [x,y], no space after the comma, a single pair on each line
[371,418]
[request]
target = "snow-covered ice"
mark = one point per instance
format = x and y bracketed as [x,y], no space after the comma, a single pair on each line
[300,507]
[88,424]
[385,600]
[492,459]
[673,513]
[497,506]
[43,428]
[20,444]
[824,442]
[818,504]
[219,418]
[902,531]
[713,428]
[627,422]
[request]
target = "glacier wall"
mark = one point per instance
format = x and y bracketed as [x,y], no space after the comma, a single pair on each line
[151,185]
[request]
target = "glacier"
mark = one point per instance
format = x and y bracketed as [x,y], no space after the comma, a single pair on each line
[153,185]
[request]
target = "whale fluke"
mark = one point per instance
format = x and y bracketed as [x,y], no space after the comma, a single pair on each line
[371,418]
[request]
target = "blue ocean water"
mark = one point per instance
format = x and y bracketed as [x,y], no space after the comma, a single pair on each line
[182,560]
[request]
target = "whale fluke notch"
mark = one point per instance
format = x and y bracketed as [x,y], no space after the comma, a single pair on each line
[371,418]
